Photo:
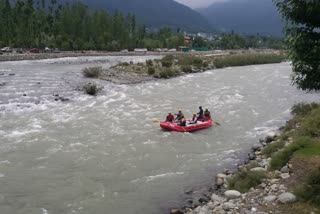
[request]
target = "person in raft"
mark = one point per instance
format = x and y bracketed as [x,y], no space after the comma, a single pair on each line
[183,121]
[170,118]
[194,119]
[200,113]
[206,115]
[179,116]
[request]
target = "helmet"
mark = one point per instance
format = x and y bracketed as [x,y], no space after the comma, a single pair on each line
[194,113]
[179,109]
[169,112]
[200,106]
[206,109]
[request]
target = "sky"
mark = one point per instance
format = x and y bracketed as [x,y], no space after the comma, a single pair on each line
[197,3]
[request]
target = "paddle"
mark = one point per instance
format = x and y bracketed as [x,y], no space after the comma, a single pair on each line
[217,123]
[155,121]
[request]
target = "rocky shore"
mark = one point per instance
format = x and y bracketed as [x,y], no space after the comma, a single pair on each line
[271,195]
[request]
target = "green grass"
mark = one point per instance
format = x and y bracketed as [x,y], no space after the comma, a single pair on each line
[303,108]
[244,180]
[310,151]
[310,190]
[281,158]
[272,148]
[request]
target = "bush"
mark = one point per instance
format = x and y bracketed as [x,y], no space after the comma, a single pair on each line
[167,61]
[310,191]
[151,70]
[272,148]
[197,61]
[303,109]
[149,62]
[247,59]
[186,68]
[281,158]
[166,73]
[167,64]
[123,64]
[244,180]
[91,89]
[92,72]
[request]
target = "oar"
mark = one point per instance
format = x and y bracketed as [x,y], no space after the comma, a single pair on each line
[156,121]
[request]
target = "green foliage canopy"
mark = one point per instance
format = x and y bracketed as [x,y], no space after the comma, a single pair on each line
[303,39]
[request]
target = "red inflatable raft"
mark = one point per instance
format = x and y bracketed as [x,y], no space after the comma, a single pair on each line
[189,128]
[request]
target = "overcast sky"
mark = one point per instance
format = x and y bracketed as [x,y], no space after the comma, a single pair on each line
[197,3]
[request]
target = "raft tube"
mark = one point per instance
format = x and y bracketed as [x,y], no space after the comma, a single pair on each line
[189,128]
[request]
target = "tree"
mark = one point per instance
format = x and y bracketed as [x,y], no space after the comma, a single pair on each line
[303,40]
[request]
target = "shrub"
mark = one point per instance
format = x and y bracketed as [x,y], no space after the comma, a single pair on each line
[149,62]
[281,158]
[310,191]
[244,180]
[92,72]
[151,70]
[123,64]
[273,147]
[303,109]
[197,61]
[186,68]
[167,63]
[139,64]
[91,89]
[166,73]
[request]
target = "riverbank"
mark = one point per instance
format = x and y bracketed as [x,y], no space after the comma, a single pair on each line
[282,174]
[177,65]
[63,54]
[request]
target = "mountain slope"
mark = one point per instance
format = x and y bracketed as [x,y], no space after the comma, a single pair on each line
[246,16]
[155,13]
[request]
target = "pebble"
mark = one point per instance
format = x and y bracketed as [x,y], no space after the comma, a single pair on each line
[228,206]
[269,199]
[257,147]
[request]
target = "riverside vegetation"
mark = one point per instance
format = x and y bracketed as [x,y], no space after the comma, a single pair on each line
[282,174]
[171,66]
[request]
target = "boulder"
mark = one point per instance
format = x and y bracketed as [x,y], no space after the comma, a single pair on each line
[228,206]
[258,169]
[285,169]
[176,211]
[285,175]
[222,176]
[286,198]
[219,182]
[257,147]
[269,199]
[232,194]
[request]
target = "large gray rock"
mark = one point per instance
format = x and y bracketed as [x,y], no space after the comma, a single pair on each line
[232,194]
[285,175]
[287,197]
[228,206]
[222,176]
[219,182]
[285,169]
[269,199]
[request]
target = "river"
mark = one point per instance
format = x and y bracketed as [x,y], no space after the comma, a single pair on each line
[103,154]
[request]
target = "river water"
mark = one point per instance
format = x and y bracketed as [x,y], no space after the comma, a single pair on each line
[104,155]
